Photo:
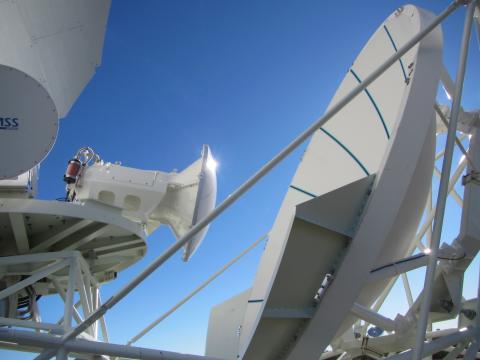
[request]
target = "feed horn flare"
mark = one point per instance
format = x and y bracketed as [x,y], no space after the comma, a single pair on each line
[151,198]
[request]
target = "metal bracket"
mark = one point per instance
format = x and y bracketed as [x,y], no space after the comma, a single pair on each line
[471,177]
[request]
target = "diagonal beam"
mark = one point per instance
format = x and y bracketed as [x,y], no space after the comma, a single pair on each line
[408,291]
[49,238]
[447,82]
[429,210]
[458,142]
[95,231]
[86,269]
[103,323]
[453,193]
[33,279]
[379,302]
[442,152]
[372,317]
[397,268]
[452,355]
[427,224]
[63,295]
[196,290]
[19,232]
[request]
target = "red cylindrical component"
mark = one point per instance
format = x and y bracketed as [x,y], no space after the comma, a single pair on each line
[73,169]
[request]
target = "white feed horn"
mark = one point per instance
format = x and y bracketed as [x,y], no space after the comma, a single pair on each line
[179,200]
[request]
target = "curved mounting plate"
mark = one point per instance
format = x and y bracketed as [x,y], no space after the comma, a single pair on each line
[205,201]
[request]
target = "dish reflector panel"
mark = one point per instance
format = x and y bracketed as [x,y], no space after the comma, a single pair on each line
[360,140]
[57,42]
[28,122]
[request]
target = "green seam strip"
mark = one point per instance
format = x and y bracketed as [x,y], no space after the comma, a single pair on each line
[373,103]
[303,191]
[352,155]
[395,47]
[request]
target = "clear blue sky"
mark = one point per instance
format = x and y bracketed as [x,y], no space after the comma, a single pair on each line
[244,77]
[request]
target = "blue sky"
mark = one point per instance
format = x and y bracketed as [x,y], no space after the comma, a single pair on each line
[244,77]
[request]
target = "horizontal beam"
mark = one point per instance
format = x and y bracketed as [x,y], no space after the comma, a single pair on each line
[81,346]
[31,324]
[36,258]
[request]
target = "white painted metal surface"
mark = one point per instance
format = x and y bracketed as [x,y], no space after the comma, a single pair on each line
[178,199]
[318,236]
[351,146]
[49,51]
[423,320]
[109,241]
[27,116]
[67,270]
[225,325]
[367,228]
[88,348]
[204,202]
[57,42]
[447,296]
[24,185]
[248,184]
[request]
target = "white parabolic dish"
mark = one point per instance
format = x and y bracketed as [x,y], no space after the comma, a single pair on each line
[387,131]
[48,53]
[28,122]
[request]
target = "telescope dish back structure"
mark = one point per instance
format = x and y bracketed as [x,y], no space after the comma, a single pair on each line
[354,202]
[108,241]
[49,51]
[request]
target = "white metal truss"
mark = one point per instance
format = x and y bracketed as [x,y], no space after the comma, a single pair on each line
[70,274]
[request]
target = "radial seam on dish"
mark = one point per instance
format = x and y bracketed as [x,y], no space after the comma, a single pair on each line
[373,103]
[303,191]
[352,155]
[395,48]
